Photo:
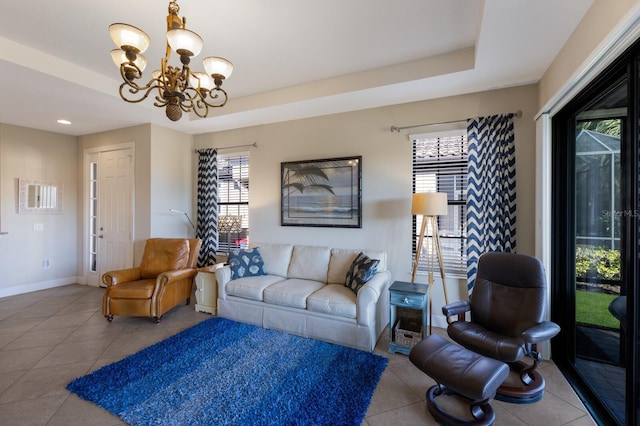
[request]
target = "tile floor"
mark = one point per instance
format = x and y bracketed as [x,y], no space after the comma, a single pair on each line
[49,337]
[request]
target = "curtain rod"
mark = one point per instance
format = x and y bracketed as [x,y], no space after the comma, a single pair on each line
[518,114]
[255,145]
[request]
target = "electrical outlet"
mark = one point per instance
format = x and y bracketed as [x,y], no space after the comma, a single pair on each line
[38,226]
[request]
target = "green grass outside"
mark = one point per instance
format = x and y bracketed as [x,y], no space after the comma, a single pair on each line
[592,308]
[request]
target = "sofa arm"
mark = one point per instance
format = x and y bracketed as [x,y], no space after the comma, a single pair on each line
[112,278]
[223,276]
[369,295]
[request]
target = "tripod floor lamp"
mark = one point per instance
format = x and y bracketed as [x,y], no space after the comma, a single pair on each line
[430,205]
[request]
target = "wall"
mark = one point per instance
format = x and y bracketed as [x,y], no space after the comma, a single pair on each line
[34,154]
[386,180]
[602,18]
[171,181]
[163,180]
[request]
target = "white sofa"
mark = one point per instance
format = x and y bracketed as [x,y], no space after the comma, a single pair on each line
[303,293]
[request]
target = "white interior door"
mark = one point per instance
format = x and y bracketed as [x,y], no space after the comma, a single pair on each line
[115,211]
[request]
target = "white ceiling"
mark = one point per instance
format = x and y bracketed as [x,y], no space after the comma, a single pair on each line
[292,58]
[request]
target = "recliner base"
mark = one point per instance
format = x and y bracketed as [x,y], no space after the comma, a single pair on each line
[525,394]
[482,413]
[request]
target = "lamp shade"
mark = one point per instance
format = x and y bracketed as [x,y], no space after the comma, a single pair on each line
[128,37]
[429,204]
[217,67]
[184,42]
[201,80]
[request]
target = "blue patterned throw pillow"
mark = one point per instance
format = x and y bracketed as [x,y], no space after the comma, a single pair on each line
[246,263]
[361,271]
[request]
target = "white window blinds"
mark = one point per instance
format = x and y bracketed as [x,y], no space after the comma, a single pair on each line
[440,165]
[233,201]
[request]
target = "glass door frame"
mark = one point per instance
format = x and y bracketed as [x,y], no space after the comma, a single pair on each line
[563,234]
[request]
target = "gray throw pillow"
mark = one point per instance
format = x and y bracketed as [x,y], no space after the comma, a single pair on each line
[361,271]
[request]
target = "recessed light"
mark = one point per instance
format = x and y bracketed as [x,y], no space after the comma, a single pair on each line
[64,122]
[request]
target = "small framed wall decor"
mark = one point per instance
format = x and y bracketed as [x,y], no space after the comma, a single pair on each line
[39,196]
[324,192]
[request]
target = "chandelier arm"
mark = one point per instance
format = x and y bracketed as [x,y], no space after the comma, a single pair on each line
[134,89]
[187,103]
[200,108]
[161,102]
[195,103]
[213,96]
[200,114]
[196,95]
[129,71]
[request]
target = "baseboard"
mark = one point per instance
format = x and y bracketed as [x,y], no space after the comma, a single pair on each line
[440,321]
[43,285]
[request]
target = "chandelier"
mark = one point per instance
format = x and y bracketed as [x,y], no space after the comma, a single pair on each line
[179,88]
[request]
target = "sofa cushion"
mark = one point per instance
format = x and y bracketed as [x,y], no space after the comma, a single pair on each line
[309,263]
[276,258]
[246,263]
[292,292]
[361,271]
[162,255]
[333,299]
[341,260]
[251,287]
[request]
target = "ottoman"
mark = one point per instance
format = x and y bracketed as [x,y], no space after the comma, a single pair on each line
[459,371]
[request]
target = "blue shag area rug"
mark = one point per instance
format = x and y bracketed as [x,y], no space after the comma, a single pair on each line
[222,372]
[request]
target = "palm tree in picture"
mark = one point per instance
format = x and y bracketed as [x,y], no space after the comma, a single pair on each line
[321,192]
[303,177]
[303,184]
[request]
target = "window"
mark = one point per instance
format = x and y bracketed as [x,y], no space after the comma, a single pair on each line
[233,201]
[440,165]
[93,216]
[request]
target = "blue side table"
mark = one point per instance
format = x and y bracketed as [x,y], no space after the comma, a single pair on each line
[407,315]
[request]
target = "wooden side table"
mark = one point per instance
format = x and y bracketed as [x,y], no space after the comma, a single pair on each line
[407,315]
[207,289]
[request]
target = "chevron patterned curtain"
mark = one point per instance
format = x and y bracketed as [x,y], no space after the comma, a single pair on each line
[491,189]
[207,218]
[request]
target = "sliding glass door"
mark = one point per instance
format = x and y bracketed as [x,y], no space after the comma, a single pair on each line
[598,216]
[595,243]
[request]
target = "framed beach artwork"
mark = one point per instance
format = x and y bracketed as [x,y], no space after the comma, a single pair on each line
[323,192]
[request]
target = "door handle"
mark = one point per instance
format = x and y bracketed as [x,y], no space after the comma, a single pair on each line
[100,236]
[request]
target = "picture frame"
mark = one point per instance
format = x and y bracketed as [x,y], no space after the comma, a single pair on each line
[323,193]
[40,196]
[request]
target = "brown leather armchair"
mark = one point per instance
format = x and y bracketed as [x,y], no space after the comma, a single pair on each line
[507,308]
[163,280]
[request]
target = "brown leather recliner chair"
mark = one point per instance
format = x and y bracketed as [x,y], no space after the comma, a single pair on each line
[507,308]
[163,280]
